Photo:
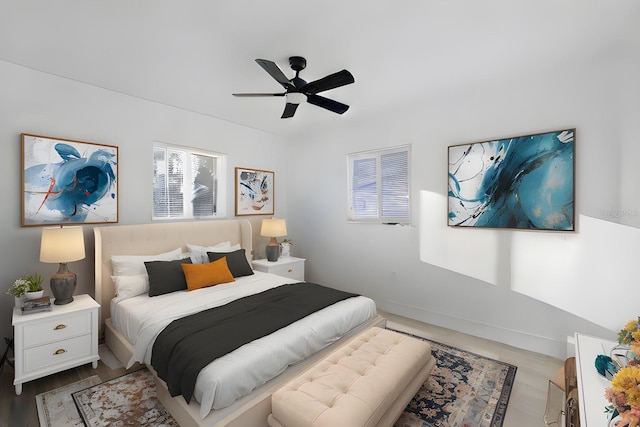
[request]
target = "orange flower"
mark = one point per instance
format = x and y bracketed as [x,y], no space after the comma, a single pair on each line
[631,418]
[635,348]
[627,381]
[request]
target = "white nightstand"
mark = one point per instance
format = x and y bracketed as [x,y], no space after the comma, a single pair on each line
[291,267]
[52,341]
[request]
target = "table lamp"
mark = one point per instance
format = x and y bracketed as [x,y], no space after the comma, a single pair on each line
[274,227]
[62,245]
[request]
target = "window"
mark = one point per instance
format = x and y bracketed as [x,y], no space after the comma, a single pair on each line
[379,185]
[187,183]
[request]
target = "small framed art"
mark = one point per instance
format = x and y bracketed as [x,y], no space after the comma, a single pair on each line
[254,192]
[68,182]
[525,182]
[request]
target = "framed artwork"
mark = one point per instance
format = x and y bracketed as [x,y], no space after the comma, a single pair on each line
[254,192]
[526,182]
[68,182]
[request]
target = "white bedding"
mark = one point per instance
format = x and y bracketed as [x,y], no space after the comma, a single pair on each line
[140,319]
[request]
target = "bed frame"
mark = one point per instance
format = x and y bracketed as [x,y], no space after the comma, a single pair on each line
[142,239]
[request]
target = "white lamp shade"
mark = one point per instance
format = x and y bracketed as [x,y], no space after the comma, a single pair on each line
[274,227]
[62,244]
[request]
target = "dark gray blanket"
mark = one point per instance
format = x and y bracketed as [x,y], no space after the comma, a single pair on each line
[187,345]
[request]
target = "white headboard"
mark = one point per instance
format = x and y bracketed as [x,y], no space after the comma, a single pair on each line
[150,239]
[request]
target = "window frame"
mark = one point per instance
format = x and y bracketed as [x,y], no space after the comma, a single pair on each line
[377,155]
[220,183]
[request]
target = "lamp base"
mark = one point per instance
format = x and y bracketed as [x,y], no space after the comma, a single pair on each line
[273,252]
[63,285]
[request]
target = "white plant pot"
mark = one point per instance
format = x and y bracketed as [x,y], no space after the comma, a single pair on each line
[34,295]
[19,300]
[286,250]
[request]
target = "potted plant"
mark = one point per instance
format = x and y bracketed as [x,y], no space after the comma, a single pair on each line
[26,287]
[34,282]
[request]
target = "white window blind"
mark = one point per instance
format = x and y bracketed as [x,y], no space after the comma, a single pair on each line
[379,185]
[187,183]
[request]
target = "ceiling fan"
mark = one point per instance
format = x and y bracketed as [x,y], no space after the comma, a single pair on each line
[298,90]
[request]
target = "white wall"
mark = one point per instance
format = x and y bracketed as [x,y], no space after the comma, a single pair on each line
[527,289]
[42,104]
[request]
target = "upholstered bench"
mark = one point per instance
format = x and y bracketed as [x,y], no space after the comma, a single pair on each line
[367,382]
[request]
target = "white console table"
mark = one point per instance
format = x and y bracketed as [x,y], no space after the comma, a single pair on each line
[591,385]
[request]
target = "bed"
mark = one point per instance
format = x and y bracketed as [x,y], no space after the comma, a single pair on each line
[131,325]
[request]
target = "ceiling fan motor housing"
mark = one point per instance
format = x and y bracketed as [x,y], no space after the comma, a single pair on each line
[298,63]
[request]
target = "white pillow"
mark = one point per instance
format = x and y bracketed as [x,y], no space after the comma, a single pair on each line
[199,253]
[130,286]
[131,265]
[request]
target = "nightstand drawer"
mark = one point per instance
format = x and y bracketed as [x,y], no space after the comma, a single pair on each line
[57,329]
[293,271]
[290,267]
[56,353]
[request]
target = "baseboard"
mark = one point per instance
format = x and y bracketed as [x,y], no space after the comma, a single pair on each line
[520,339]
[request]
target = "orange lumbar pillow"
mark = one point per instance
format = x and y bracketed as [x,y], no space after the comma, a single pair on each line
[203,275]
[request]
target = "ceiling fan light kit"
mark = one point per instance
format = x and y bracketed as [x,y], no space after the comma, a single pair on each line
[296,97]
[298,90]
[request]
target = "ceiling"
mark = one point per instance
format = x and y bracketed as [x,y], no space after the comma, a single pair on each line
[192,54]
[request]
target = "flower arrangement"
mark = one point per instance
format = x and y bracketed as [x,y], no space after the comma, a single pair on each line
[26,283]
[624,390]
[631,335]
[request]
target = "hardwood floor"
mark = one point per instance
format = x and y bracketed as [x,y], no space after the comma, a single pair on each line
[526,405]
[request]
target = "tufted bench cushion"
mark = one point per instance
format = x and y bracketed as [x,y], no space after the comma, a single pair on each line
[367,382]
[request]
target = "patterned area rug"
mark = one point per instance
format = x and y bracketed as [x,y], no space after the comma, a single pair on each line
[464,390]
[56,407]
[129,400]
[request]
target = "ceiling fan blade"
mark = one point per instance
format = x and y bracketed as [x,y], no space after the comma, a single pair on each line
[329,104]
[289,110]
[274,71]
[258,94]
[331,81]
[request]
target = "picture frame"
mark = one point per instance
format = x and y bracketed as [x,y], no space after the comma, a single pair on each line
[525,182]
[254,191]
[65,181]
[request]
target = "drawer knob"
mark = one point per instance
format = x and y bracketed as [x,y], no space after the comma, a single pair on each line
[60,326]
[59,351]
[290,270]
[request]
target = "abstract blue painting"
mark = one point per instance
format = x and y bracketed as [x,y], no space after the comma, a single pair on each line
[526,182]
[68,182]
[254,192]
